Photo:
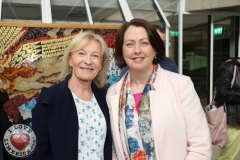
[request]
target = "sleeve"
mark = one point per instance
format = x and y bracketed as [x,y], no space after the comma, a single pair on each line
[169,64]
[39,126]
[226,93]
[173,66]
[123,71]
[198,136]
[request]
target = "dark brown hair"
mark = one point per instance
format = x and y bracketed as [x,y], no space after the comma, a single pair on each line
[153,36]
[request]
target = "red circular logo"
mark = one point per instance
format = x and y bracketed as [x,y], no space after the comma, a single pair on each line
[19,140]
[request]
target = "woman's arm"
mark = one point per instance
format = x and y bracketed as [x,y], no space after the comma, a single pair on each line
[39,126]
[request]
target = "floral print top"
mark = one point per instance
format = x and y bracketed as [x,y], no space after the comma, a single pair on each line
[92,129]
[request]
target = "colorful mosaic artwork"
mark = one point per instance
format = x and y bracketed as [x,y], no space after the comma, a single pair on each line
[30,58]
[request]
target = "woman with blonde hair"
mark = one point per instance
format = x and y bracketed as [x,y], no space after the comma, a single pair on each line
[71,118]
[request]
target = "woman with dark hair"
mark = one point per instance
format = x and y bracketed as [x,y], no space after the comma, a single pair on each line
[166,63]
[155,113]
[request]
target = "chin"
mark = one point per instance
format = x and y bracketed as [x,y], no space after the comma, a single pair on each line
[85,79]
[88,78]
[136,67]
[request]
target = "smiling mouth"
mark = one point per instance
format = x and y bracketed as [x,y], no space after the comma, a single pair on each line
[88,69]
[138,58]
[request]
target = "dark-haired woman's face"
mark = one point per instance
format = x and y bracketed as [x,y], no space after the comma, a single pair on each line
[138,52]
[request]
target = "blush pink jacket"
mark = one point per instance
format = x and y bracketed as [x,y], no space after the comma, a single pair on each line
[180,129]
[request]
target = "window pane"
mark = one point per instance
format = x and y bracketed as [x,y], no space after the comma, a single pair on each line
[21,10]
[222,41]
[69,11]
[195,53]
[105,11]
[144,9]
[169,5]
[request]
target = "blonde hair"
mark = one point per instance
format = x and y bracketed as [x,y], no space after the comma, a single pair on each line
[79,42]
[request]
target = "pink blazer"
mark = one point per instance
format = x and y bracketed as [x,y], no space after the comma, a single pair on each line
[180,128]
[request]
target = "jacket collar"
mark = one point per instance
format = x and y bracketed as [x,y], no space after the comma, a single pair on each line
[158,89]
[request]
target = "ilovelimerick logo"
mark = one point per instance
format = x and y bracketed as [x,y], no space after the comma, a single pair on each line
[19,140]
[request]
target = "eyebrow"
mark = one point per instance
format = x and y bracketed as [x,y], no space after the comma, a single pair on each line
[91,52]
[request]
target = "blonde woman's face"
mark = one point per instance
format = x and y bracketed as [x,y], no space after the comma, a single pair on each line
[87,62]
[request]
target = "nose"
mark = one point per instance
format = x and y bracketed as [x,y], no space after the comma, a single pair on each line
[137,48]
[88,59]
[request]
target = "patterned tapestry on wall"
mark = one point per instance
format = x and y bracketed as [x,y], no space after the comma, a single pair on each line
[30,58]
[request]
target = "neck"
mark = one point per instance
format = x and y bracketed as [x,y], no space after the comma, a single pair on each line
[140,78]
[81,89]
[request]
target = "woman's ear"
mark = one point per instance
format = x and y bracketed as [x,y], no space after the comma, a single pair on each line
[70,61]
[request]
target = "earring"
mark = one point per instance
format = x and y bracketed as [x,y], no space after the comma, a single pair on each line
[155,57]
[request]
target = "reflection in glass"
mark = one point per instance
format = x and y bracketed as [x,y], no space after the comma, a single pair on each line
[144,9]
[105,11]
[222,40]
[195,54]
[73,11]
[20,10]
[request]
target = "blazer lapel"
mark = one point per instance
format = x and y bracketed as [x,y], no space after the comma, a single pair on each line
[114,115]
[161,104]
